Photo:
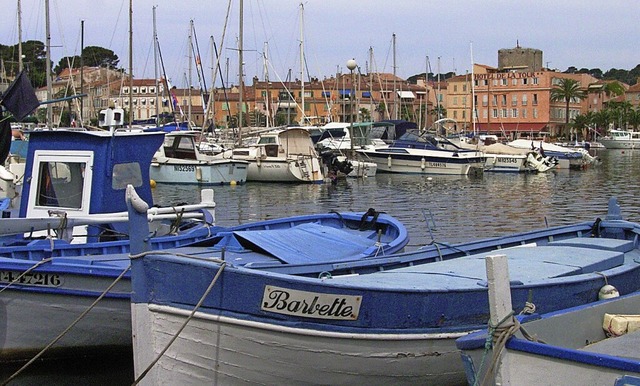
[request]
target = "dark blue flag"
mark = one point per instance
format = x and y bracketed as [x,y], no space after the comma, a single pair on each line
[20,98]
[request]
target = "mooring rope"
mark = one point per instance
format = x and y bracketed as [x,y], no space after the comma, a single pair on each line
[66,330]
[184,325]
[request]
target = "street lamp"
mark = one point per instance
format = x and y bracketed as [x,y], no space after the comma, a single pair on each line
[351,65]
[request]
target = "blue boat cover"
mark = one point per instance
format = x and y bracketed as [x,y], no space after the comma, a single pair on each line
[308,243]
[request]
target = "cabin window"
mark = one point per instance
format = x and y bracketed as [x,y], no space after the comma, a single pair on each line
[61,184]
[126,173]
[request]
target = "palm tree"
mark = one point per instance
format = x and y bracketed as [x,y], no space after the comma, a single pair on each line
[567,90]
[580,123]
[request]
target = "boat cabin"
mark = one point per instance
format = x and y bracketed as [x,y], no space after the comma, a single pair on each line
[85,172]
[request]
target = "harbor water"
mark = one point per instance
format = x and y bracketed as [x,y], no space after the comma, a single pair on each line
[440,208]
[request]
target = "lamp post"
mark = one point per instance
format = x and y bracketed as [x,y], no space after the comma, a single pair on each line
[351,65]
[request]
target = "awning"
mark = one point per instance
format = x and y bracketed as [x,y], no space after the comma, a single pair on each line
[345,92]
[523,127]
[406,95]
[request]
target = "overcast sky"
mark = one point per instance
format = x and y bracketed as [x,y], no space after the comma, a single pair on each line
[595,34]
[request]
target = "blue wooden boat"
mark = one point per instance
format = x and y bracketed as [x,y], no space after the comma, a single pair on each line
[592,344]
[42,291]
[384,320]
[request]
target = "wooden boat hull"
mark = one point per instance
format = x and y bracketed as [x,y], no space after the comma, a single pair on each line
[401,321]
[230,350]
[563,358]
[34,315]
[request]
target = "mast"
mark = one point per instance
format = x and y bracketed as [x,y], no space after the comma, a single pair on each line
[155,65]
[190,49]
[20,64]
[473,94]
[81,72]
[266,79]
[130,63]
[370,82]
[302,62]
[240,59]
[48,64]
[395,92]
[438,96]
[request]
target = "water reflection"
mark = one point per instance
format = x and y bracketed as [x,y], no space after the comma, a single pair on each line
[462,207]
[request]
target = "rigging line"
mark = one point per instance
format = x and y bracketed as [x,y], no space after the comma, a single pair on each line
[199,68]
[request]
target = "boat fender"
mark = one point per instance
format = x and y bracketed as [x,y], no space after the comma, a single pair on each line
[198,173]
[607,292]
[389,161]
[423,163]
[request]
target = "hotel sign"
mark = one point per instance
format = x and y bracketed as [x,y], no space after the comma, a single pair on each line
[310,304]
[505,75]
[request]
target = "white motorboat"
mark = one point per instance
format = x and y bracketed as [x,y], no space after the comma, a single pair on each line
[621,139]
[281,155]
[180,161]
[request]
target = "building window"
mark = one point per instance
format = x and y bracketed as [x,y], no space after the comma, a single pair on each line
[152,102]
[464,88]
[464,100]
[464,114]
[503,113]
[135,90]
[525,81]
[484,113]
[514,113]
[455,101]
[326,94]
[495,100]
[485,99]
[455,88]
[514,82]
[455,114]
[125,90]
[485,82]
[152,90]
[143,102]
[535,100]
[514,100]
[143,90]
[535,113]
[524,113]
[494,113]
[504,99]
[495,82]
[503,82]
[535,80]
[524,99]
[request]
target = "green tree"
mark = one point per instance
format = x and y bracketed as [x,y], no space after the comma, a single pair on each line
[99,57]
[66,62]
[567,90]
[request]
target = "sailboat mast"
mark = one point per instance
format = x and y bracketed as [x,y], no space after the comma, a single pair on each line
[155,65]
[302,118]
[240,59]
[190,49]
[130,63]
[81,72]
[20,64]
[395,92]
[48,64]
[473,93]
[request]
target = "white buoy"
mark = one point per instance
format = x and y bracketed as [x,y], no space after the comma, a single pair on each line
[607,292]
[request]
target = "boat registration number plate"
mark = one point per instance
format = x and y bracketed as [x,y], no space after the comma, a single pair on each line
[310,304]
[184,168]
[31,278]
